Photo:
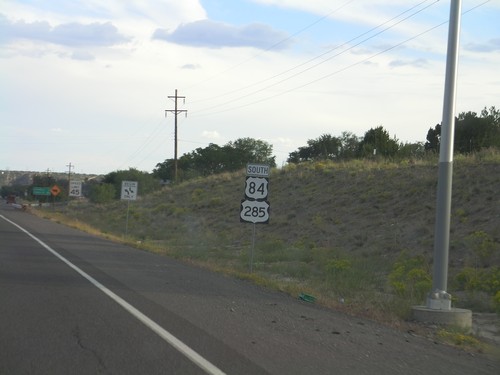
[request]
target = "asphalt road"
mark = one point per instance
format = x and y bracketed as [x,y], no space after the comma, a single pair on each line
[71,303]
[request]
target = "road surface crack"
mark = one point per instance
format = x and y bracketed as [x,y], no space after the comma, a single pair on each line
[77,334]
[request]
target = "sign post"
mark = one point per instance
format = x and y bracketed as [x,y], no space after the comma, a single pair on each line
[254,207]
[128,193]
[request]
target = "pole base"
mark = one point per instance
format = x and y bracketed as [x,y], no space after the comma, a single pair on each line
[439,300]
[453,317]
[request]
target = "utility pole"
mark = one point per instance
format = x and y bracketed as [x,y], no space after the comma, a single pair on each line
[176,111]
[69,170]
[69,176]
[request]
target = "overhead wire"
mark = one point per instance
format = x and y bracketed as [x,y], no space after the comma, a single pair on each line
[330,74]
[151,137]
[325,53]
[272,47]
[315,57]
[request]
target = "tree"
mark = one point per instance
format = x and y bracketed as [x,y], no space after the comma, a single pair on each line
[102,193]
[473,133]
[165,170]
[249,150]
[492,115]
[349,145]
[433,139]
[378,139]
[304,153]
[147,183]
[325,147]
[216,159]
[411,150]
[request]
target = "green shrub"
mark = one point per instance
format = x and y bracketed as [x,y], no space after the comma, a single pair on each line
[496,302]
[197,195]
[335,266]
[473,279]
[101,194]
[483,246]
[410,276]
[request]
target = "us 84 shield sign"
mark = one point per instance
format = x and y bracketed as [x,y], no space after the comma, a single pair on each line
[256,188]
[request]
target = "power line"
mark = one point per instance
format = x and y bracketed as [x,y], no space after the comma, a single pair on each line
[151,137]
[267,50]
[320,55]
[325,53]
[335,72]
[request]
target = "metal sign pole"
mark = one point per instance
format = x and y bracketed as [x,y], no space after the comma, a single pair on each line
[253,249]
[126,222]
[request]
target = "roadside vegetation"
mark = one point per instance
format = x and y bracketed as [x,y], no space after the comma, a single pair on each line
[351,223]
[357,235]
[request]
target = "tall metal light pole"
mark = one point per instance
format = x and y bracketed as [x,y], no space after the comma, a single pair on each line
[438,308]
[439,298]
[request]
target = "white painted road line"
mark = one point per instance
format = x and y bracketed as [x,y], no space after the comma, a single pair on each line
[197,359]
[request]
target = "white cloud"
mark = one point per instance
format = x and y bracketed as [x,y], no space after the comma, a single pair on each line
[417,63]
[211,135]
[211,34]
[70,34]
[191,66]
[82,55]
[492,45]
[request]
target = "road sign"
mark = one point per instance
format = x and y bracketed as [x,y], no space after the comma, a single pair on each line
[254,211]
[258,170]
[75,188]
[256,187]
[55,190]
[41,191]
[129,190]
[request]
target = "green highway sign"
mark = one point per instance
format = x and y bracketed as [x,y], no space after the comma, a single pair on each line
[41,191]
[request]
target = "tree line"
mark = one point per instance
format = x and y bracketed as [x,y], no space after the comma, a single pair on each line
[473,133]
[214,159]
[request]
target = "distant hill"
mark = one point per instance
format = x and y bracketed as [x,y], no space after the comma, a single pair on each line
[25,178]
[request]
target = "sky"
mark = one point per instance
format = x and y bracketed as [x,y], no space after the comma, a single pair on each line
[91,83]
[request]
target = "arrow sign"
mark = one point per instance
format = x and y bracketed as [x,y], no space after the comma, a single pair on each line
[55,190]
[129,190]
